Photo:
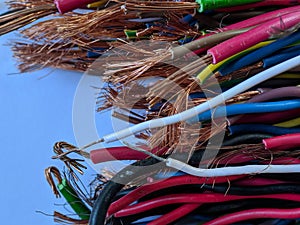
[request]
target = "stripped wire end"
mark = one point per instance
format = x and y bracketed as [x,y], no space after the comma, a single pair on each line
[48,173]
[69,162]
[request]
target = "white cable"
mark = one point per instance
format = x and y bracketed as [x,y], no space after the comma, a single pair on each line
[229,171]
[183,116]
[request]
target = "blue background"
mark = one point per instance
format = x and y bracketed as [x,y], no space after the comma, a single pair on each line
[36,111]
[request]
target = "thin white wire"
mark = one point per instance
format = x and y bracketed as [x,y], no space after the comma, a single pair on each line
[183,116]
[229,171]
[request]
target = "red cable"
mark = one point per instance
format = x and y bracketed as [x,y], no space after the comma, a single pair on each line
[162,184]
[120,153]
[256,214]
[175,214]
[283,142]
[195,198]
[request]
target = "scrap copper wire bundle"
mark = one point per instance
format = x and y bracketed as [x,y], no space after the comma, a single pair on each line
[210,89]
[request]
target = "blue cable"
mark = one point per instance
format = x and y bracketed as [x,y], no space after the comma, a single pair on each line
[92,54]
[264,128]
[185,40]
[259,54]
[281,56]
[146,220]
[145,20]
[166,175]
[210,94]
[284,222]
[246,108]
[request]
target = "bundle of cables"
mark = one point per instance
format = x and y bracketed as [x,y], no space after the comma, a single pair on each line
[210,89]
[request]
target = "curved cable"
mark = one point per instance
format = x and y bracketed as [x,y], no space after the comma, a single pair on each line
[256,214]
[156,123]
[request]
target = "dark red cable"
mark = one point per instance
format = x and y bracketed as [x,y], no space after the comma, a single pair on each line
[162,184]
[175,214]
[266,118]
[196,198]
[256,214]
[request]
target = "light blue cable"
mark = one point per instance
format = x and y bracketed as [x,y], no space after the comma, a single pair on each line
[246,108]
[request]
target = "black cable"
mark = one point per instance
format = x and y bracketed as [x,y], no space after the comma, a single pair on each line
[276,83]
[113,186]
[212,209]
[129,173]
[254,138]
[256,190]
[293,177]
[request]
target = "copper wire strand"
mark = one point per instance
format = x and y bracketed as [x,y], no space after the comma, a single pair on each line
[83,37]
[23,17]
[80,189]
[15,4]
[157,5]
[166,136]
[64,219]
[69,162]
[48,174]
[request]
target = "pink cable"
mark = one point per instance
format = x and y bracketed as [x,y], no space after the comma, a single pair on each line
[65,6]
[175,214]
[259,4]
[262,18]
[120,153]
[256,214]
[196,198]
[171,182]
[246,40]
[251,22]
[283,142]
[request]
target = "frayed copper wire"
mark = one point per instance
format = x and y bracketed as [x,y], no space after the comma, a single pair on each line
[103,24]
[57,38]
[256,151]
[169,136]
[64,219]
[157,5]
[24,16]
[33,57]
[180,77]
[69,162]
[16,4]
[48,174]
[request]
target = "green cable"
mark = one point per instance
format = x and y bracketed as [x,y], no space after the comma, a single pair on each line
[73,199]
[215,4]
[130,34]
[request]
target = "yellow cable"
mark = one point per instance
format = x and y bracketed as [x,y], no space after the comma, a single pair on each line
[289,123]
[97,4]
[288,76]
